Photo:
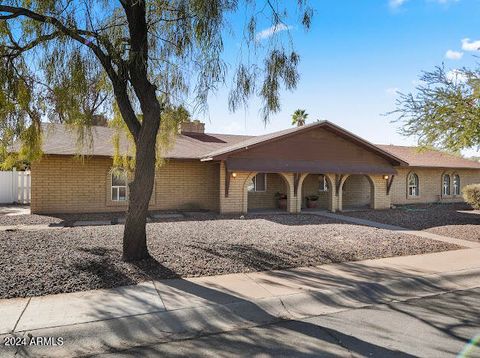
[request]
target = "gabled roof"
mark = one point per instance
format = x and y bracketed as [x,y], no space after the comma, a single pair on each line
[224,152]
[430,158]
[60,140]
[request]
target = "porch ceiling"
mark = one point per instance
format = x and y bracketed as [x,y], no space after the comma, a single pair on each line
[305,166]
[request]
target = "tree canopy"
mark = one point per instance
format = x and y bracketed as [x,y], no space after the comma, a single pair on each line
[142,61]
[299,117]
[444,111]
[69,61]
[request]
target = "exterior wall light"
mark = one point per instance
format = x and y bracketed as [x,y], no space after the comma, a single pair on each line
[234,175]
[385,177]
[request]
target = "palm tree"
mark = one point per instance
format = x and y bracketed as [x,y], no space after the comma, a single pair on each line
[299,117]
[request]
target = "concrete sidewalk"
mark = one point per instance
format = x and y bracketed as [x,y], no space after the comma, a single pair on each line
[168,310]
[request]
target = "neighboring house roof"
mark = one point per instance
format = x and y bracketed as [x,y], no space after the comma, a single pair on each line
[431,158]
[60,140]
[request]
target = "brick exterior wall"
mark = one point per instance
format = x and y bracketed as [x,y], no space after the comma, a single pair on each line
[310,186]
[237,199]
[187,185]
[64,184]
[266,199]
[430,185]
[356,191]
[380,198]
[374,188]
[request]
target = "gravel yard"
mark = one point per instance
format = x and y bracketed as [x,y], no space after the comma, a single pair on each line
[75,259]
[6,220]
[453,220]
[64,219]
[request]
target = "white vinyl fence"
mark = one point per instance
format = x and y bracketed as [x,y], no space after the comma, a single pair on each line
[14,187]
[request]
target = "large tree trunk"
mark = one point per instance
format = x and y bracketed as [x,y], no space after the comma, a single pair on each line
[134,236]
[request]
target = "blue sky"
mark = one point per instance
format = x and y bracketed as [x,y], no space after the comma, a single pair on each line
[356,56]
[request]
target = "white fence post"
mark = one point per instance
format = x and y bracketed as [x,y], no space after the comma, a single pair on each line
[14,186]
[28,186]
[21,187]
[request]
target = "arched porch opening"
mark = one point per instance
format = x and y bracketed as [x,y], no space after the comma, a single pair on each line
[267,192]
[316,186]
[357,192]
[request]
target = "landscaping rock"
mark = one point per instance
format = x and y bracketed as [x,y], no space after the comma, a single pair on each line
[50,261]
[453,220]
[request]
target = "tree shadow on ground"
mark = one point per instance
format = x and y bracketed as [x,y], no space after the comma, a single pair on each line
[221,308]
[103,268]
[248,256]
[283,339]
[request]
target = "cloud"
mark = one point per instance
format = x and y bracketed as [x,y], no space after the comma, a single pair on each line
[453,55]
[444,1]
[468,45]
[396,3]
[272,30]
[392,91]
[456,76]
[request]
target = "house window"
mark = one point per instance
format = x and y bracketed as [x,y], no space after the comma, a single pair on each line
[456,184]
[412,184]
[446,184]
[119,185]
[259,183]
[322,183]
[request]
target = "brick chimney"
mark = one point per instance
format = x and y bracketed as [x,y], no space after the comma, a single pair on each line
[192,127]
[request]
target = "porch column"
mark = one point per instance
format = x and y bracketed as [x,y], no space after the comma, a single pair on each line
[236,201]
[338,190]
[291,198]
[381,200]
[333,197]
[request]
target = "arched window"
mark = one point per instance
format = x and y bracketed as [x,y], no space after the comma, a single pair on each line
[446,184]
[456,184]
[119,185]
[412,184]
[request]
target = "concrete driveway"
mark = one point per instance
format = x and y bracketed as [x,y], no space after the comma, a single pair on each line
[14,210]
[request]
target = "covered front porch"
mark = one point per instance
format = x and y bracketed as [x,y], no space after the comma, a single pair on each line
[315,167]
[257,192]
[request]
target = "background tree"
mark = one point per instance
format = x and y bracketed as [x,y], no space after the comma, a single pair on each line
[444,111]
[299,117]
[157,55]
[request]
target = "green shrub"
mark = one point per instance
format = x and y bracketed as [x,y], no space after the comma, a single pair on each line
[471,194]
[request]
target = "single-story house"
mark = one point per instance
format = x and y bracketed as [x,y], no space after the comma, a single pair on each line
[237,174]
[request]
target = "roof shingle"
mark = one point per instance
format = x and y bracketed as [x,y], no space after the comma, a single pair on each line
[417,157]
[60,140]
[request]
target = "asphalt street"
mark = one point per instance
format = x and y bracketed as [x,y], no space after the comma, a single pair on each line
[445,325]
